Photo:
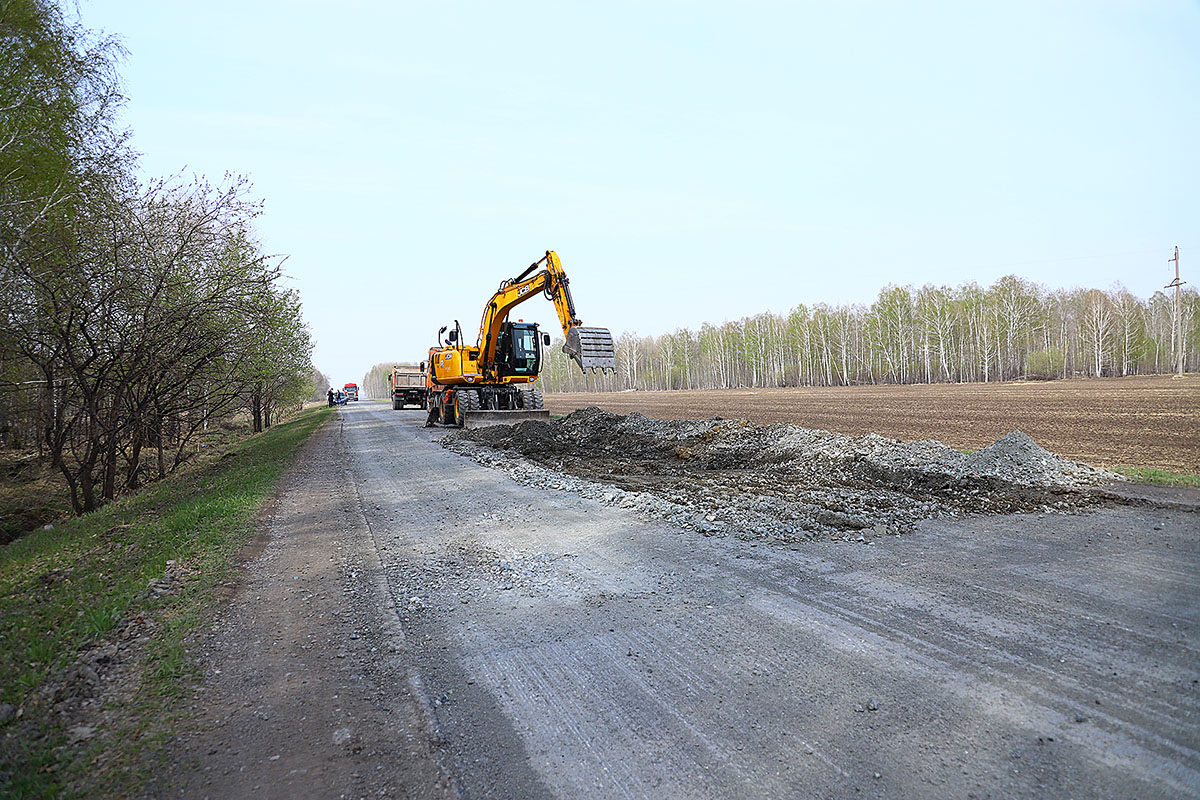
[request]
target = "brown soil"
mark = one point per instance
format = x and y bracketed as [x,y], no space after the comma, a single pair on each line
[1151,421]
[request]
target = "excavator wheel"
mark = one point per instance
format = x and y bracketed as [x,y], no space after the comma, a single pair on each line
[531,399]
[465,401]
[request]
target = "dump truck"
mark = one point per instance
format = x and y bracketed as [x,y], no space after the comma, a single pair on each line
[351,390]
[409,387]
[493,381]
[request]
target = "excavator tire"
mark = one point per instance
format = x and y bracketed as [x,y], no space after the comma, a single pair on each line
[531,399]
[465,401]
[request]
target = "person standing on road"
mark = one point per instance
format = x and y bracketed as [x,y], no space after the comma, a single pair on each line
[331,398]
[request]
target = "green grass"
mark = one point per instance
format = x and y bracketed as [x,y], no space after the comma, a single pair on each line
[1159,476]
[64,589]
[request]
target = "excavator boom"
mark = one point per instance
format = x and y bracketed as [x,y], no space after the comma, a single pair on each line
[591,348]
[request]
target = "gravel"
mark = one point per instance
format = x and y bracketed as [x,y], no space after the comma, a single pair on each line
[777,482]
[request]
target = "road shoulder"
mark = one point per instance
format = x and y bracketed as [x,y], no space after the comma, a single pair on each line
[305,688]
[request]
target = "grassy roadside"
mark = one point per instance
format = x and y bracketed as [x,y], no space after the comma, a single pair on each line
[1159,476]
[151,561]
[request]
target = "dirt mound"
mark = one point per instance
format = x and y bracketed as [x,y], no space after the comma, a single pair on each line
[736,444]
[1017,458]
[593,430]
[779,481]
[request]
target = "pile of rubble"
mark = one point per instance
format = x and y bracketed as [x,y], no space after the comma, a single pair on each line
[777,481]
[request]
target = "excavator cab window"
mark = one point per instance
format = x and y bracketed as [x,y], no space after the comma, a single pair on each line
[517,351]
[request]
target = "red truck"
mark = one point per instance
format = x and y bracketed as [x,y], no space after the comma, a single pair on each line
[351,390]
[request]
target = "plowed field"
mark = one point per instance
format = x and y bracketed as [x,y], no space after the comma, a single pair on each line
[1151,422]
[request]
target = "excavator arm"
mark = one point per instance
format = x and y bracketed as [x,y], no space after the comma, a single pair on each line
[591,348]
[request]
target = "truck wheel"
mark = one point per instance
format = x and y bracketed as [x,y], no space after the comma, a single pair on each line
[396,404]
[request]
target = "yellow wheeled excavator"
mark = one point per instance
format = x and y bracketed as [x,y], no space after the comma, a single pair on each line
[492,381]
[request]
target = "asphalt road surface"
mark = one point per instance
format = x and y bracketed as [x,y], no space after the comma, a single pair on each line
[566,648]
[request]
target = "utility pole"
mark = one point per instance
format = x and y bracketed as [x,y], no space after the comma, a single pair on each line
[1177,330]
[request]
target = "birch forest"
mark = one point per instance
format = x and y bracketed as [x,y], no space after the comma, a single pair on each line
[1012,330]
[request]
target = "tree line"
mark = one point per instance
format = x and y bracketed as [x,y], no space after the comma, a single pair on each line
[136,313]
[1014,329]
[375,384]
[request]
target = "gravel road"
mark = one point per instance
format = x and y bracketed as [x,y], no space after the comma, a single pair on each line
[307,689]
[566,647]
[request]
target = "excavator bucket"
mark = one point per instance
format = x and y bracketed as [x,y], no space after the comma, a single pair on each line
[592,348]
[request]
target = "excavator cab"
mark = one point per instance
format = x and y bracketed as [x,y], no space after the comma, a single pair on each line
[518,350]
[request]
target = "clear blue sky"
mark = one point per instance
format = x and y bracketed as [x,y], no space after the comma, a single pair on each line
[690,162]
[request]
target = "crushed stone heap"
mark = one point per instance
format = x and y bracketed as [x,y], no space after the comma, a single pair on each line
[777,481]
